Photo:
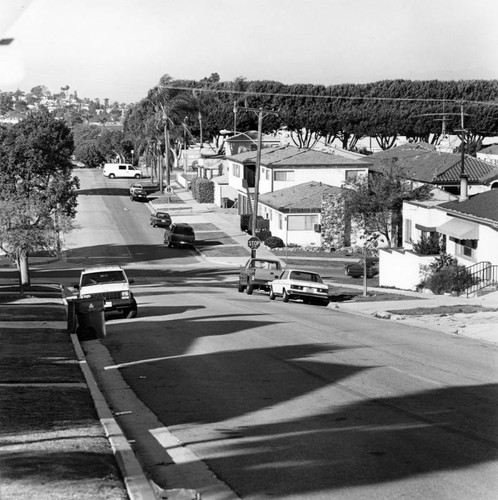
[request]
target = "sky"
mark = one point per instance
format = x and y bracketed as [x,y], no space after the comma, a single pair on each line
[119,49]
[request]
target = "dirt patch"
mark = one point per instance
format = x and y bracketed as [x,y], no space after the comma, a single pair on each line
[444,310]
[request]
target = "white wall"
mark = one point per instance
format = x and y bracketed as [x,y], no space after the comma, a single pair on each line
[401,269]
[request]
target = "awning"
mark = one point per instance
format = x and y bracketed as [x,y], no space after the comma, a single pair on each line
[427,229]
[460,229]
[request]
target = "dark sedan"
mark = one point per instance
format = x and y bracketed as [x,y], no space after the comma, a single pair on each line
[160,219]
[138,195]
[356,269]
[179,235]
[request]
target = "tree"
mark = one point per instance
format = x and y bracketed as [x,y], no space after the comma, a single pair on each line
[375,202]
[37,189]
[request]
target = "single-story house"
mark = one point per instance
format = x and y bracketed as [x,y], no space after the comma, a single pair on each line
[489,154]
[469,229]
[308,214]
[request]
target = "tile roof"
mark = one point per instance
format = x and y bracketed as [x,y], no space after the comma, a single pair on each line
[482,205]
[425,164]
[305,197]
[290,156]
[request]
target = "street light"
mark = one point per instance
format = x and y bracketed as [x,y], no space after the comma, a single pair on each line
[132,151]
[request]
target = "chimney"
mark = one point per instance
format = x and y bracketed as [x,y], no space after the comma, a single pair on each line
[464,187]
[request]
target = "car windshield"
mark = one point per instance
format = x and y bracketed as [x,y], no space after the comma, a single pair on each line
[263,264]
[303,276]
[162,216]
[184,230]
[103,277]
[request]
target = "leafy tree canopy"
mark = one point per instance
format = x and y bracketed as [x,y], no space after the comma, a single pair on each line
[37,190]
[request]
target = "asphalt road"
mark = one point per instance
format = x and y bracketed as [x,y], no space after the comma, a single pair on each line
[287,400]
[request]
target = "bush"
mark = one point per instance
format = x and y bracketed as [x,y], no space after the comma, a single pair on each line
[244,222]
[274,242]
[263,234]
[445,275]
[202,190]
[428,245]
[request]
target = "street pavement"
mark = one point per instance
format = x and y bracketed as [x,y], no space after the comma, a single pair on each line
[15,314]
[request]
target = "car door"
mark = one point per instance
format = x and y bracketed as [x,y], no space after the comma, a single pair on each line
[277,284]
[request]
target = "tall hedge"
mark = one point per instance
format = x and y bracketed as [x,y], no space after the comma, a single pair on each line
[203,190]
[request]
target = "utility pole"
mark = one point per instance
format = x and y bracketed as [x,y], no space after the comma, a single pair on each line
[464,177]
[200,129]
[234,117]
[261,114]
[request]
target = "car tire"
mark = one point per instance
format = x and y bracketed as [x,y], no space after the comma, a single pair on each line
[130,313]
[285,296]
[250,287]
[240,287]
[137,176]
[272,294]
[111,176]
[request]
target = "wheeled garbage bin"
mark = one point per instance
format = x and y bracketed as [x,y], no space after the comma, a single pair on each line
[91,319]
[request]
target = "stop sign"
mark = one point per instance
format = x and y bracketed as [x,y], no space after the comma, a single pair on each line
[253,242]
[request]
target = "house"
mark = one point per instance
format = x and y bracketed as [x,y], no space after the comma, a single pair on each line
[489,154]
[423,163]
[296,213]
[286,166]
[468,229]
[248,141]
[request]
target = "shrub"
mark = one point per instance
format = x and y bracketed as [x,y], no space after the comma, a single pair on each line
[428,245]
[203,190]
[244,222]
[263,234]
[445,275]
[274,242]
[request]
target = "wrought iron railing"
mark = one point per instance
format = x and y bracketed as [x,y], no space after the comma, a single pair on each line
[481,275]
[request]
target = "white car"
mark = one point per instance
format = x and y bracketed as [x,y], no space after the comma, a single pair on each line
[111,284]
[300,284]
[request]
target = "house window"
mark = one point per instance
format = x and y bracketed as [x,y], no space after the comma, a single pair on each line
[267,174]
[283,175]
[408,230]
[280,221]
[352,175]
[236,170]
[466,248]
[302,222]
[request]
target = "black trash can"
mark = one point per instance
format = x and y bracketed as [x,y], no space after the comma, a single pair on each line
[72,322]
[91,319]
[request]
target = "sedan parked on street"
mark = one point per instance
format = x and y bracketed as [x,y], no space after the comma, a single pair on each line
[300,284]
[160,219]
[138,194]
[356,269]
[179,235]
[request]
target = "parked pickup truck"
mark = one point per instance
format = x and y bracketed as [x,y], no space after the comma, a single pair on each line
[257,273]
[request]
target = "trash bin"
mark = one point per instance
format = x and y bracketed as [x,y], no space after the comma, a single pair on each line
[91,319]
[72,322]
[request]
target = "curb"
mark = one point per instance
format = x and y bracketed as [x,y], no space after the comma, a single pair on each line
[137,485]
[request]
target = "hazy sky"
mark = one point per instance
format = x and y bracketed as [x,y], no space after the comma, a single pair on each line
[118,49]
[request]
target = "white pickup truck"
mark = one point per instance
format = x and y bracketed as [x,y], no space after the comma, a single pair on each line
[257,273]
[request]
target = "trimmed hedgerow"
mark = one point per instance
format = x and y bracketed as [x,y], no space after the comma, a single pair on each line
[202,190]
[274,242]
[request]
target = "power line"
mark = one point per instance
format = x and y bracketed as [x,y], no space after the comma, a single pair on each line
[315,96]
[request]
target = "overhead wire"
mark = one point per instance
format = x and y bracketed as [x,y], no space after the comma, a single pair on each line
[318,96]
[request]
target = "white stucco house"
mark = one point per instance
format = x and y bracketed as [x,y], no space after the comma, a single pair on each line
[287,166]
[489,154]
[295,213]
[468,226]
